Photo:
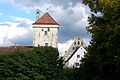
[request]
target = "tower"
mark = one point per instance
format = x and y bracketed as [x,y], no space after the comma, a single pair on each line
[45,31]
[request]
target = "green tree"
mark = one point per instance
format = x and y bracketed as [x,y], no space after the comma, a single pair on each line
[102,62]
[40,63]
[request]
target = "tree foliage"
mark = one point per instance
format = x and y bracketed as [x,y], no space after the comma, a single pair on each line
[103,59]
[39,63]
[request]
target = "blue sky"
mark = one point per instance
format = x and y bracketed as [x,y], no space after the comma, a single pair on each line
[8,10]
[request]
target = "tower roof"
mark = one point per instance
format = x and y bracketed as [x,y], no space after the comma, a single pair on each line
[46,19]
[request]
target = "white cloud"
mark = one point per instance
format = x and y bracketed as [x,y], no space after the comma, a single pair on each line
[3,33]
[22,19]
[62,47]
[11,33]
[73,21]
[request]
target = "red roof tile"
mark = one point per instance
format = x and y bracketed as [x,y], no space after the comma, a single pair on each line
[12,48]
[46,19]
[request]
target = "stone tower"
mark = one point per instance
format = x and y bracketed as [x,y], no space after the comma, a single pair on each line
[45,31]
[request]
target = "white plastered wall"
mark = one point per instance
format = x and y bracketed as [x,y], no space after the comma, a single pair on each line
[74,59]
[39,37]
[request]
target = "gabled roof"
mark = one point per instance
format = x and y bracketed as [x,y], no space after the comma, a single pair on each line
[46,19]
[78,42]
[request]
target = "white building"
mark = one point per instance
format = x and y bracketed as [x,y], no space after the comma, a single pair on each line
[45,31]
[74,54]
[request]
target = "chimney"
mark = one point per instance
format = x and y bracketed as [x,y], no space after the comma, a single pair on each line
[37,14]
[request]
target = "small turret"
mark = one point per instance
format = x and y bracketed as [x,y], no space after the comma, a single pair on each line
[37,14]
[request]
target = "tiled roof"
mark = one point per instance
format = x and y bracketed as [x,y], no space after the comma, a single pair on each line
[12,48]
[46,19]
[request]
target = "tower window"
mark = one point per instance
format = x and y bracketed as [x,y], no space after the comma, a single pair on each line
[45,32]
[38,45]
[42,29]
[78,43]
[39,34]
[48,29]
[46,44]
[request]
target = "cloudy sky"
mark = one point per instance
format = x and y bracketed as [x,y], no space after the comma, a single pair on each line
[16,17]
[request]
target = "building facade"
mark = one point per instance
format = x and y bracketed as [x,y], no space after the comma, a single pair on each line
[74,54]
[45,31]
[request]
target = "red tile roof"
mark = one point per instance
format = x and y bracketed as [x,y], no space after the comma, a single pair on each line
[46,19]
[12,48]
